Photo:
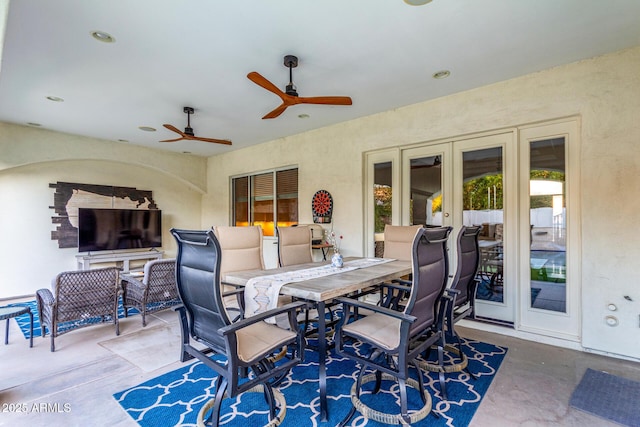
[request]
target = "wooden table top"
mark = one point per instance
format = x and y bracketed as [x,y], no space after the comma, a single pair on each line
[328,287]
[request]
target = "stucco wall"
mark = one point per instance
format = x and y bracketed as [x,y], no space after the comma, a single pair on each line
[29,259]
[603,91]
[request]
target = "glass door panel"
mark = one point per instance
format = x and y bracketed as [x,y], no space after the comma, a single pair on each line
[548,225]
[425,185]
[426,172]
[382,202]
[550,230]
[382,198]
[482,205]
[484,196]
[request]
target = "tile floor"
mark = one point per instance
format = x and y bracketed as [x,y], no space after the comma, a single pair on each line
[74,385]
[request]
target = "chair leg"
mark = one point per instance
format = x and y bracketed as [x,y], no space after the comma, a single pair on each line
[352,412]
[404,410]
[144,315]
[215,411]
[184,332]
[441,378]
[30,329]
[6,334]
[420,383]
[270,399]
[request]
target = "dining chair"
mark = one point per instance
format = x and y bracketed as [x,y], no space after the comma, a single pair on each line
[242,345]
[156,291]
[396,339]
[398,241]
[465,283]
[294,245]
[241,250]
[461,295]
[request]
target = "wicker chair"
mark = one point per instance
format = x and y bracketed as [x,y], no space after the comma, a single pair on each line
[397,338]
[79,299]
[156,291]
[246,344]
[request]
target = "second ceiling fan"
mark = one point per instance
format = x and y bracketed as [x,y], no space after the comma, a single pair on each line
[290,95]
[188,131]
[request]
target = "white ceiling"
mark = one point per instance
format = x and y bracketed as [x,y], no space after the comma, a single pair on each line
[174,53]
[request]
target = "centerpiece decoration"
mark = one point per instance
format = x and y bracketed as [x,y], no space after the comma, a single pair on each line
[334,241]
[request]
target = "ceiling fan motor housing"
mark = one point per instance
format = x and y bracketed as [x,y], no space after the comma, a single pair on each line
[291,90]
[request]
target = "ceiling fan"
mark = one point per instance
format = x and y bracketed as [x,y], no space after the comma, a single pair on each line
[290,95]
[188,131]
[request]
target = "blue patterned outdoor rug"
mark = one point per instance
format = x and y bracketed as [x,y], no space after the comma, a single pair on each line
[608,396]
[23,321]
[175,398]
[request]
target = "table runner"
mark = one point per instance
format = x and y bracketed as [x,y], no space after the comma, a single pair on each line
[261,293]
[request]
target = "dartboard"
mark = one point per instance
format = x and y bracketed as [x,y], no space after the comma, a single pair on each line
[322,204]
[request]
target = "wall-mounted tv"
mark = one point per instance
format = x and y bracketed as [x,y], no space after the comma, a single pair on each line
[114,229]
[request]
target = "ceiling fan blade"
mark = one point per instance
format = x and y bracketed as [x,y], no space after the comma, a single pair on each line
[172,140]
[263,82]
[174,129]
[276,112]
[216,141]
[327,100]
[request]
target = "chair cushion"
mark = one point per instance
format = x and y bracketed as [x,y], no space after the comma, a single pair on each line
[259,339]
[378,329]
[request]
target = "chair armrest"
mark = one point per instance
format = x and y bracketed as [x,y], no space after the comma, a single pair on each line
[377,309]
[234,327]
[132,281]
[397,285]
[238,291]
[403,282]
[45,296]
[234,285]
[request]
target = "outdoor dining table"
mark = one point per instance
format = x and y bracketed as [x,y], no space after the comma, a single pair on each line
[321,291]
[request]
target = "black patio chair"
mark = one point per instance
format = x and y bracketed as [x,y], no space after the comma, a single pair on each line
[396,339]
[246,344]
[461,295]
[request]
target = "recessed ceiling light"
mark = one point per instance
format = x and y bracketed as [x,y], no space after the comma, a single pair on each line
[186,152]
[34,124]
[417,2]
[123,140]
[442,74]
[303,116]
[55,99]
[101,36]
[147,128]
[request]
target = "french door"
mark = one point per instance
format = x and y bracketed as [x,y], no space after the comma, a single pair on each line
[520,187]
[467,182]
[550,255]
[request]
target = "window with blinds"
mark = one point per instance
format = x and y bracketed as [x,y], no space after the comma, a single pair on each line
[266,199]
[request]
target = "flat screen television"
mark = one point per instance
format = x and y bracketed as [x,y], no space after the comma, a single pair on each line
[114,229]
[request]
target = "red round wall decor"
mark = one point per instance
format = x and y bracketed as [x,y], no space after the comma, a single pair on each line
[322,207]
